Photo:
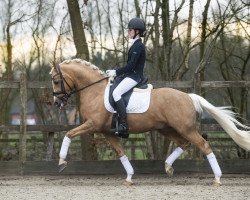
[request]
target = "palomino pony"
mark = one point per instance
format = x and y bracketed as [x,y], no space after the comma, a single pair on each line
[171,112]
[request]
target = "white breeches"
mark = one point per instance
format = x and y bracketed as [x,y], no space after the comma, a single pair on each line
[124,86]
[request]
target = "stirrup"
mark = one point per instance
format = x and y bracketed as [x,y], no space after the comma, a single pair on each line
[123,135]
[121,128]
[121,131]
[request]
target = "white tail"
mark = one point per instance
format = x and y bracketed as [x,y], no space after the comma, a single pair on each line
[226,118]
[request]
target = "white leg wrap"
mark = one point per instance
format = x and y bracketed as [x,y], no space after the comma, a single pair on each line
[64,148]
[127,166]
[214,165]
[174,155]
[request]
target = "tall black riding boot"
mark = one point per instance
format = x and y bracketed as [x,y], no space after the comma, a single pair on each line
[121,110]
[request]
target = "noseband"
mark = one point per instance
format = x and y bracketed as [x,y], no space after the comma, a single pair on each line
[63,95]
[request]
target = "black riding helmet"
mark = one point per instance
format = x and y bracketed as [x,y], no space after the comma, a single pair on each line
[137,24]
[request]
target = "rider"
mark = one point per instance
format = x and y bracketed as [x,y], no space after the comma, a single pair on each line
[132,72]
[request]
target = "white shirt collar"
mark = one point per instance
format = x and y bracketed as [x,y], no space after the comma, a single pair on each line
[135,39]
[132,41]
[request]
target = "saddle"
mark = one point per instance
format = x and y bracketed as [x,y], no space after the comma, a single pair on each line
[136,100]
[141,85]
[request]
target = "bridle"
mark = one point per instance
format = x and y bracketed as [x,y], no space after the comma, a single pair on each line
[63,95]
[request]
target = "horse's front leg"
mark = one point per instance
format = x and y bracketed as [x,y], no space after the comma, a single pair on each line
[85,128]
[115,142]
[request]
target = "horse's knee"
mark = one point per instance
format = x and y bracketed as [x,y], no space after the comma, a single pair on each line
[69,135]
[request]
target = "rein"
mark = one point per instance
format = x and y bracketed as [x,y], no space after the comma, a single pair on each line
[66,95]
[75,91]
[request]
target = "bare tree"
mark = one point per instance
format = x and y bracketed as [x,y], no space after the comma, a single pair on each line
[233,58]
[88,150]
[184,66]
[167,34]
[78,31]
[137,8]
[7,95]
[11,21]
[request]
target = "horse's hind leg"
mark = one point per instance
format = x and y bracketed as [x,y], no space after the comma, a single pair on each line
[182,144]
[114,141]
[203,145]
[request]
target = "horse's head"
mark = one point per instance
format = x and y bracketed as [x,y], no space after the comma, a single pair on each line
[62,85]
[73,76]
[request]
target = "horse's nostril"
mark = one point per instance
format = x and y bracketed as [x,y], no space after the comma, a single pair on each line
[57,104]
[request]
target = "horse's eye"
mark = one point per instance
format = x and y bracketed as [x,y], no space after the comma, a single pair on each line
[55,82]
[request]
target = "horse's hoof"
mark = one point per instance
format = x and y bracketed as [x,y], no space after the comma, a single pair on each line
[62,166]
[128,183]
[169,170]
[216,182]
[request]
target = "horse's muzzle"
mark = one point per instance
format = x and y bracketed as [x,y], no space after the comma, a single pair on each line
[59,103]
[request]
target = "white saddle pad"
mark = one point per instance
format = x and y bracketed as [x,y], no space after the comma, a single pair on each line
[138,102]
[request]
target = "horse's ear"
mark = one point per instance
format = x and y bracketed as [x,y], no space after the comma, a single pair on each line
[52,64]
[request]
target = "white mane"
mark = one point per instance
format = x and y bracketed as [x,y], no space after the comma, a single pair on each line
[84,62]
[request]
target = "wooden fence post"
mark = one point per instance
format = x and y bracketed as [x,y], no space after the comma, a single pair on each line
[197,83]
[150,152]
[133,149]
[197,90]
[50,144]
[23,124]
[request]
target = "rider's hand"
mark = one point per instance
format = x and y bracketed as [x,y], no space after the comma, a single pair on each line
[111,73]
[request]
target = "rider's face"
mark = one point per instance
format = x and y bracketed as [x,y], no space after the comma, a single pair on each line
[131,33]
